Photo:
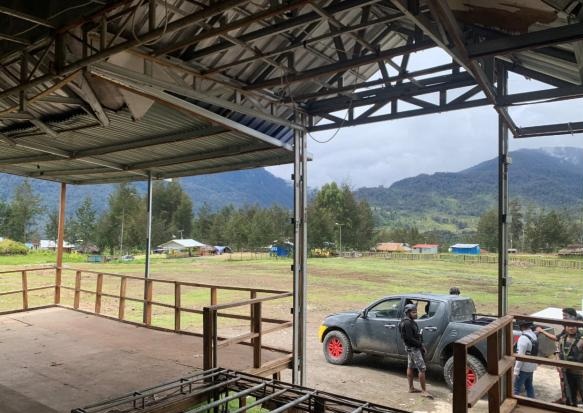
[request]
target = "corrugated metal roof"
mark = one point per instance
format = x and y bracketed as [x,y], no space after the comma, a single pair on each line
[255,67]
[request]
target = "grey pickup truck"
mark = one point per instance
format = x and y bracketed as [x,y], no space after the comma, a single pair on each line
[443,319]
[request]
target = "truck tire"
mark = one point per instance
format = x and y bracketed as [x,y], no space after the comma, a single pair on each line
[475,370]
[337,348]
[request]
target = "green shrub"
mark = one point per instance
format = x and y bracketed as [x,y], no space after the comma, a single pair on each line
[9,247]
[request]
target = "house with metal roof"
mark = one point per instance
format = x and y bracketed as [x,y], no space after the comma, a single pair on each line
[393,247]
[425,248]
[181,244]
[467,249]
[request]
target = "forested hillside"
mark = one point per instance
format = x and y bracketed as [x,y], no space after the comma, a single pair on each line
[238,188]
[550,178]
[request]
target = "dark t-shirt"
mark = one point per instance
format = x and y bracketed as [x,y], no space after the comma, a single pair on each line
[410,333]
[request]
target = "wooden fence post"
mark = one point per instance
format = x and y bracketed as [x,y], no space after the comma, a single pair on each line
[122,297]
[207,339]
[213,295]
[493,359]
[460,392]
[149,288]
[24,291]
[252,295]
[177,306]
[77,289]
[256,328]
[98,292]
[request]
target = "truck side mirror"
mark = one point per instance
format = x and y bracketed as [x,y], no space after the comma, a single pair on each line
[362,313]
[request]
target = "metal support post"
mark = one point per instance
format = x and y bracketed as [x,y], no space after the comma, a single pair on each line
[148,241]
[300,258]
[503,162]
[60,237]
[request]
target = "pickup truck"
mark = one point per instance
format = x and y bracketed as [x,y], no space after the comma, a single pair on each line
[443,319]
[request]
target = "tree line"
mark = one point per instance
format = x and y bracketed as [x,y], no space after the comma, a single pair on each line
[121,228]
[530,229]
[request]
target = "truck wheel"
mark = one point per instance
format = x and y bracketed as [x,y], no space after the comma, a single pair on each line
[475,370]
[337,348]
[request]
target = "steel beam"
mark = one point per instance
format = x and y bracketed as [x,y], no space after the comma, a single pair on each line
[503,163]
[148,244]
[27,17]
[340,66]
[132,80]
[277,28]
[64,69]
[300,259]
[569,128]
[528,41]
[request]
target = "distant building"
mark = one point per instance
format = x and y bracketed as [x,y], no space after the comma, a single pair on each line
[393,247]
[573,249]
[51,245]
[281,249]
[425,248]
[468,249]
[181,245]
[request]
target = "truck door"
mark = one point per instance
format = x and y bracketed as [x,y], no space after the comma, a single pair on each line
[430,321]
[378,331]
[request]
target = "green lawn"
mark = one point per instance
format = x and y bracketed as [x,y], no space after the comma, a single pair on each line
[334,283]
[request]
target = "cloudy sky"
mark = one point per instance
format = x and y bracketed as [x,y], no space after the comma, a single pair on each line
[385,152]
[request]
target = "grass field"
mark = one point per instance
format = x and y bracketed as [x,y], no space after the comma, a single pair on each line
[334,283]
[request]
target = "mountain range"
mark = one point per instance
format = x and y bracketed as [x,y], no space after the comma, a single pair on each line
[550,178]
[239,188]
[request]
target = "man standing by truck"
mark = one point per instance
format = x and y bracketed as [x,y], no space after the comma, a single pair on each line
[415,349]
[527,345]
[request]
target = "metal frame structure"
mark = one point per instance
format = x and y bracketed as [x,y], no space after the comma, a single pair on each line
[83,88]
[217,389]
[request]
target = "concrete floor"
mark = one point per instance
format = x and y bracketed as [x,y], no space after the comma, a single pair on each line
[57,359]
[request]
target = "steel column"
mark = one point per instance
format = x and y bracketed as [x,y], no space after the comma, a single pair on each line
[60,238]
[148,240]
[503,162]
[300,257]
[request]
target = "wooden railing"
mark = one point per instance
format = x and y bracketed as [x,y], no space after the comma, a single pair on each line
[546,406]
[499,366]
[212,342]
[145,295]
[25,288]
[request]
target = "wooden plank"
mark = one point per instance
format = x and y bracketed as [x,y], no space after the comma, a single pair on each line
[255,300]
[24,291]
[551,362]
[122,297]
[77,289]
[213,296]
[252,295]
[149,292]
[508,406]
[484,332]
[546,406]
[460,395]
[98,292]
[177,304]
[481,387]
[492,362]
[256,341]
[207,339]
[508,352]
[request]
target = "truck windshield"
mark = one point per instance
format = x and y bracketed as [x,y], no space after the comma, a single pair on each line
[462,310]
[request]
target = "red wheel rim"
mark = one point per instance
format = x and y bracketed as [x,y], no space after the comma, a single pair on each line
[335,347]
[471,378]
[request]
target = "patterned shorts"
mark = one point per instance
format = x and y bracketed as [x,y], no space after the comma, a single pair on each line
[415,359]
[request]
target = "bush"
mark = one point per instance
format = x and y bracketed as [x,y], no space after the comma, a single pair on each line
[9,247]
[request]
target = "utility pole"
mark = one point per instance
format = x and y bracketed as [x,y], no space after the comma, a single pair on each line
[340,236]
